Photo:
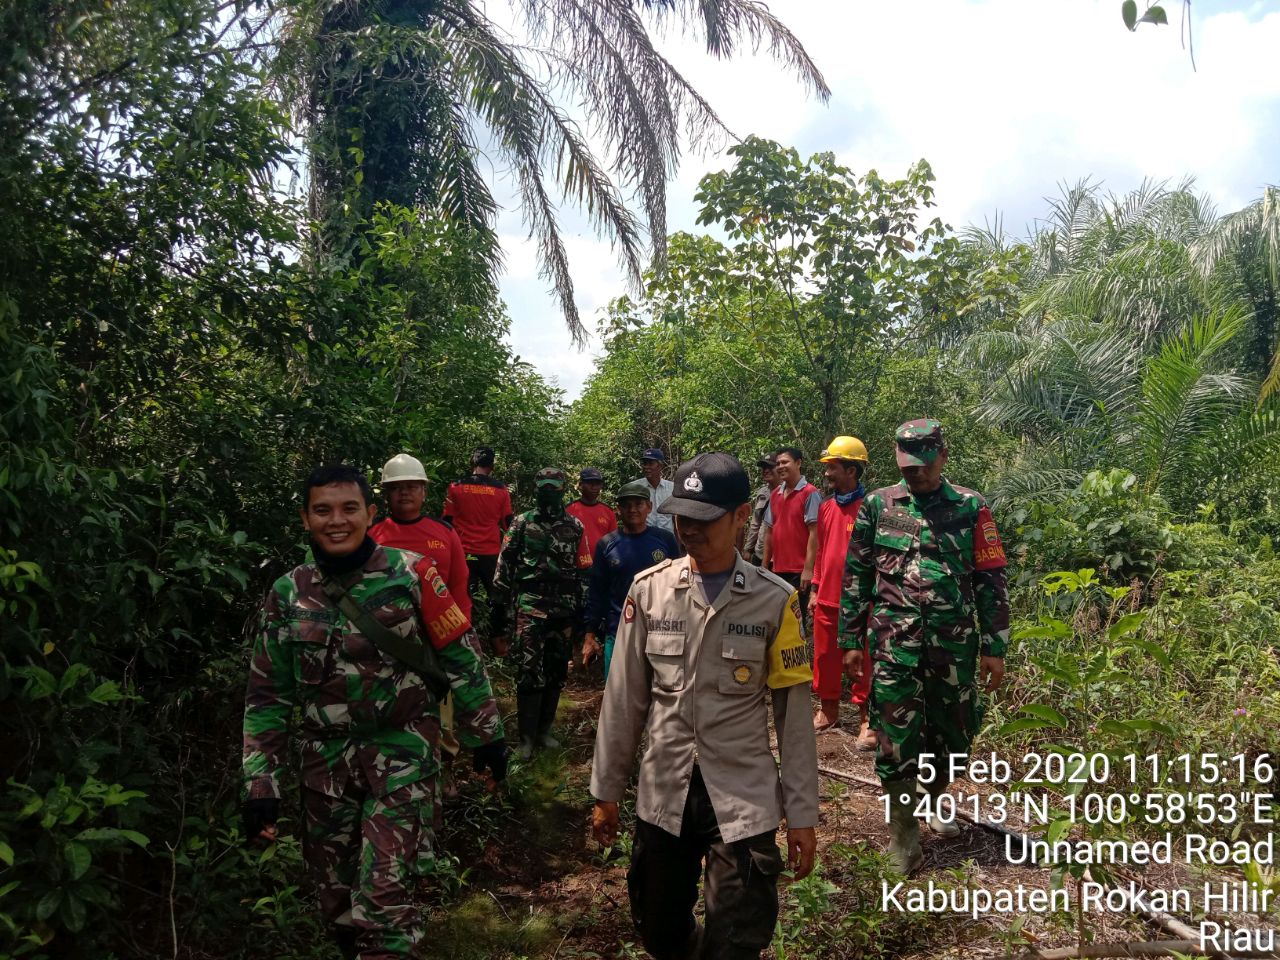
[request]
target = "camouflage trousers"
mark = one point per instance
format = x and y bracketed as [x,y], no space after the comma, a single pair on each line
[364,854]
[542,648]
[924,699]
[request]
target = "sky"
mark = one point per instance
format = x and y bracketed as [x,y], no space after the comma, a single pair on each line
[1006,99]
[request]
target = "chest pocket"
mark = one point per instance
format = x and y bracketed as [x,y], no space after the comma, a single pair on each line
[666,656]
[308,640]
[892,548]
[742,666]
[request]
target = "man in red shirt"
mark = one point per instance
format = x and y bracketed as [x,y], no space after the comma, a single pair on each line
[791,524]
[479,508]
[845,461]
[404,484]
[597,518]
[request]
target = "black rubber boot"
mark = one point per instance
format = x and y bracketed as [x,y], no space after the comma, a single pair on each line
[528,713]
[345,938]
[546,717]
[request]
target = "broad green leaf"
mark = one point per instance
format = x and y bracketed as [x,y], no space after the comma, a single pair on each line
[48,904]
[73,913]
[6,853]
[1023,723]
[1155,14]
[1043,712]
[1127,625]
[78,859]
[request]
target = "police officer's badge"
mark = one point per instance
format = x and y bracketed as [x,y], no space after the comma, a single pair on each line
[739,580]
[742,674]
[629,611]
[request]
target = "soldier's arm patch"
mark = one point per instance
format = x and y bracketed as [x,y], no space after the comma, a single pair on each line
[444,619]
[788,656]
[988,551]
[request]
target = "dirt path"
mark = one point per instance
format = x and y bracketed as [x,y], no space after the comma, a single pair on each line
[520,876]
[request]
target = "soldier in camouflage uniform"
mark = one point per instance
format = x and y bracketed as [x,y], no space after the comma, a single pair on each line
[369,721]
[925,560]
[541,574]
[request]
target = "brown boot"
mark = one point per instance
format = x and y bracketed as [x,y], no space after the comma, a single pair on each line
[866,736]
[828,715]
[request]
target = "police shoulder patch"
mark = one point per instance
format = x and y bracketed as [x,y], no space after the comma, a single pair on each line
[629,611]
[650,571]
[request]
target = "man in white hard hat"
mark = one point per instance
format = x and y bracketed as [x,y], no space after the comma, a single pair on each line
[404,485]
[406,527]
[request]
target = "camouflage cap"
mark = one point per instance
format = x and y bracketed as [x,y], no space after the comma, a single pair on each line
[919,442]
[636,488]
[549,476]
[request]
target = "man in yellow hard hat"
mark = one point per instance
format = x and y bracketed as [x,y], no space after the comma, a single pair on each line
[844,462]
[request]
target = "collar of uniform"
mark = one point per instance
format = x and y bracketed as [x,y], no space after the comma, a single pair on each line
[800,485]
[950,492]
[739,580]
[946,491]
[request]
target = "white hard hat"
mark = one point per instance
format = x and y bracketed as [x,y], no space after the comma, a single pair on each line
[403,467]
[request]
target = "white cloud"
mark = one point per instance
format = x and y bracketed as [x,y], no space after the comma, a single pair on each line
[1005,98]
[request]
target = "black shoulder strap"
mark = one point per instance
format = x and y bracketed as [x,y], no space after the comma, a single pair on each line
[418,656]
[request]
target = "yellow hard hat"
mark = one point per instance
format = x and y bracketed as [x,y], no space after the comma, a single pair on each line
[845,448]
[403,467]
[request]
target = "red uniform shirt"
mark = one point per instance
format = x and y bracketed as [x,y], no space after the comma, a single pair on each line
[597,520]
[789,536]
[479,508]
[835,528]
[435,541]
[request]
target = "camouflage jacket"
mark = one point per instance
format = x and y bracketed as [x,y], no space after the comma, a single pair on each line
[359,707]
[542,566]
[913,568]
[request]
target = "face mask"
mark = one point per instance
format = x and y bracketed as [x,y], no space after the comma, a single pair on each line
[549,499]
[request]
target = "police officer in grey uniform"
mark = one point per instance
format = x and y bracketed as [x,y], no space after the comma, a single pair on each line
[705,642]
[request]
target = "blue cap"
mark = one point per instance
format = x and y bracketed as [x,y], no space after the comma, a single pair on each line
[591,473]
[654,453]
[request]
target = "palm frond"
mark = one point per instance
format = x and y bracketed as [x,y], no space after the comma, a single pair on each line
[726,23]
[1185,401]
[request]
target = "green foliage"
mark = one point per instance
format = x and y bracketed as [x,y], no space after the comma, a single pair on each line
[400,97]
[835,911]
[1108,520]
[172,360]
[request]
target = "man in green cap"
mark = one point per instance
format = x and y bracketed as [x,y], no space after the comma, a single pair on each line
[618,557]
[925,576]
[542,574]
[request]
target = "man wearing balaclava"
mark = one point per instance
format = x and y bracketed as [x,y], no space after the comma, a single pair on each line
[541,574]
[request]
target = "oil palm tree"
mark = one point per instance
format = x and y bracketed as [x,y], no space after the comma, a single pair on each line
[404,99]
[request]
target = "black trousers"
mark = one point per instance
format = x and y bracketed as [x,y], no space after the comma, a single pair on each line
[481,569]
[740,893]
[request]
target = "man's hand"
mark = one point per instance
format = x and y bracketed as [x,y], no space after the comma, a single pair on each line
[604,822]
[813,603]
[853,664]
[991,672]
[590,648]
[805,580]
[493,757]
[802,844]
[259,818]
